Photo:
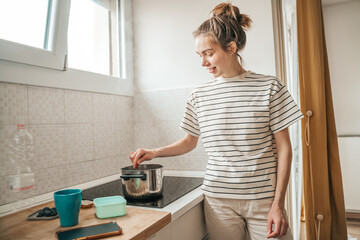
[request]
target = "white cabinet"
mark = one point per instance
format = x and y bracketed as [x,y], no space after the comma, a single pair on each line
[190,226]
[349,148]
[163,234]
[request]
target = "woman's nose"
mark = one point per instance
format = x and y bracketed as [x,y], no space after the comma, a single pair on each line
[204,62]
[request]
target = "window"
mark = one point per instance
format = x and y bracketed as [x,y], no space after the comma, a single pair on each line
[93,37]
[30,30]
[29,24]
[87,40]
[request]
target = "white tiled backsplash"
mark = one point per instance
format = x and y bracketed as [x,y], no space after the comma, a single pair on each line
[79,136]
[83,136]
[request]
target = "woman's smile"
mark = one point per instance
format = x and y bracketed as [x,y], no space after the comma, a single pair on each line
[211,70]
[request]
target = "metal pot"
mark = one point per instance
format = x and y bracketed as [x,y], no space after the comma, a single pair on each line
[143,182]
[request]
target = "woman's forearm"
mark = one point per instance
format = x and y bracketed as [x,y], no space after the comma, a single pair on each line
[283,174]
[179,147]
[284,153]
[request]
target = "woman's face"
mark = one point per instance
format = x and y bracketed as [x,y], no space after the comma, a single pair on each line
[218,62]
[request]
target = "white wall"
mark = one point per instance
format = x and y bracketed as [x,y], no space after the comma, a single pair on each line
[164,48]
[342,38]
[342,34]
[167,67]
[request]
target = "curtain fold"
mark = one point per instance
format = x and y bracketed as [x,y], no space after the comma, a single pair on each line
[323,189]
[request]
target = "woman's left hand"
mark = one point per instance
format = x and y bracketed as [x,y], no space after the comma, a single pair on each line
[276,216]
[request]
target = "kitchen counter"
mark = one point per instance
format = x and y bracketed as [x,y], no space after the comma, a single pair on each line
[138,223]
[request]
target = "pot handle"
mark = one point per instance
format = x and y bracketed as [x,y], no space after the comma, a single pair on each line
[128,176]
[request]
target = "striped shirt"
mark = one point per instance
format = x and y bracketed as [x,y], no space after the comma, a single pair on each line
[236,119]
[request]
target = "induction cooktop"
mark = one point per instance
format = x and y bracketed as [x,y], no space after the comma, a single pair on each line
[174,188]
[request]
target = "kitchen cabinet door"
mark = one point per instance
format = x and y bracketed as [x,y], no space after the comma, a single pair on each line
[190,226]
[163,234]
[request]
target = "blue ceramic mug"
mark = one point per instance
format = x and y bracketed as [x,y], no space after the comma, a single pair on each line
[68,203]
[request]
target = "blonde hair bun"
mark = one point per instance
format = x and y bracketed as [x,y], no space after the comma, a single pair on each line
[230,11]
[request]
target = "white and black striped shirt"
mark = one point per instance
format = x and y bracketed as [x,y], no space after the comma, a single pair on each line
[236,118]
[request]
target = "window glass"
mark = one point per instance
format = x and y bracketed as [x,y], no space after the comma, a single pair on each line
[89,36]
[24,21]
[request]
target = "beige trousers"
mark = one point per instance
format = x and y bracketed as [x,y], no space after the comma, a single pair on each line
[233,219]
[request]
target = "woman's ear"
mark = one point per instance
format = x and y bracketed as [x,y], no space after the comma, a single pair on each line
[232,47]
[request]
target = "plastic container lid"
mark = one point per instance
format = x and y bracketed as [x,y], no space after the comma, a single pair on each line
[107,207]
[108,201]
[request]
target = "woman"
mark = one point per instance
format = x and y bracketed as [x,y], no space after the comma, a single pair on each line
[242,118]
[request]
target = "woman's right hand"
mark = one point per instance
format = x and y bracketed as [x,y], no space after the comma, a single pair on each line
[141,155]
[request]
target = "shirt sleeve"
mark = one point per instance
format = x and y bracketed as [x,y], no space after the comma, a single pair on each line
[283,109]
[190,122]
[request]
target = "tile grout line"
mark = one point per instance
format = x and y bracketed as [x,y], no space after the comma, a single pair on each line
[28,105]
[93,127]
[63,134]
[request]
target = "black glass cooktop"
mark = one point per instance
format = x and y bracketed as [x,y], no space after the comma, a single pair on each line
[174,188]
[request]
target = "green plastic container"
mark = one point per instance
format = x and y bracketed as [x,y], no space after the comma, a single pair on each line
[107,207]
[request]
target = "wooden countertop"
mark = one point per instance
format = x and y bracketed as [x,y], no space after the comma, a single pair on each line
[136,224]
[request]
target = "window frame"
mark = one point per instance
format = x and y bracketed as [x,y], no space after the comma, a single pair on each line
[31,69]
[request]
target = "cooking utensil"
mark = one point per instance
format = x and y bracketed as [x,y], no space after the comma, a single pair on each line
[143,182]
